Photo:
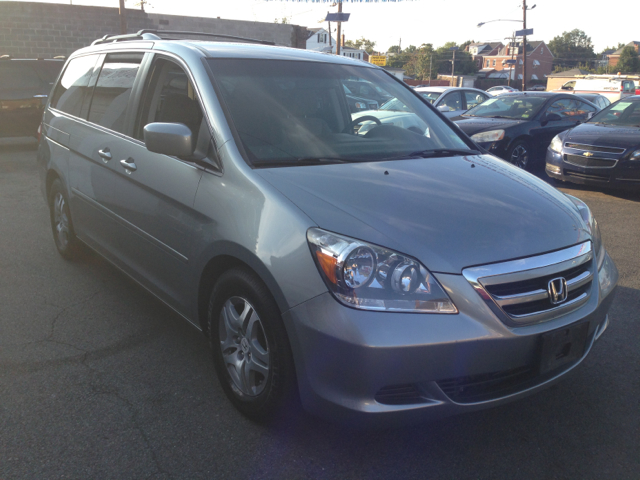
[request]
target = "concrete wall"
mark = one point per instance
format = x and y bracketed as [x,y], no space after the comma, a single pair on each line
[45,30]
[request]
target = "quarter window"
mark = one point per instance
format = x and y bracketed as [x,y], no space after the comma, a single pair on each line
[113,89]
[73,88]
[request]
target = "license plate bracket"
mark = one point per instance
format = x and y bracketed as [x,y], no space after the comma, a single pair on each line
[562,346]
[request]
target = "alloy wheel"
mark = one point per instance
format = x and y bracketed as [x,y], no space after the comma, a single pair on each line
[61,220]
[520,156]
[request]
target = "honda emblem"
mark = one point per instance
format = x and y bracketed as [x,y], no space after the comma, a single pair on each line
[557,290]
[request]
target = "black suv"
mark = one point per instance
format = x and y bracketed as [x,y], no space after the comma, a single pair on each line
[24,88]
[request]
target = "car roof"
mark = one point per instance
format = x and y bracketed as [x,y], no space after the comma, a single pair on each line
[445,89]
[227,50]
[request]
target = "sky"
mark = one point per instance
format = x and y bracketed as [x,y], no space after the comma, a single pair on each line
[419,21]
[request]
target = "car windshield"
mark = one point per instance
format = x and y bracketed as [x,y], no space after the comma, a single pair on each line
[394,105]
[624,113]
[431,96]
[507,106]
[297,113]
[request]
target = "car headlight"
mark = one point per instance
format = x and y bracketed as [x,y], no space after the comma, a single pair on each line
[556,144]
[592,227]
[369,277]
[635,156]
[490,136]
[361,106]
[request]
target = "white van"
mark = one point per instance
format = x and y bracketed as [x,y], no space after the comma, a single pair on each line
[614,88]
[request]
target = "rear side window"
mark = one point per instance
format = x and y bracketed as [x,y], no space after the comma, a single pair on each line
[73,87]
[113,89]
[17,75]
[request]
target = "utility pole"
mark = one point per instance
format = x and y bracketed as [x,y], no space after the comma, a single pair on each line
[524,46]
[513,64]
[453,64]
[330,46]
[339,39]
[430,65]
[123,20]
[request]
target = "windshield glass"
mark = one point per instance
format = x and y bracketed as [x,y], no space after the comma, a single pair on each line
[515,107]
[431,96]
[292,112]
[624,113]
[395,105]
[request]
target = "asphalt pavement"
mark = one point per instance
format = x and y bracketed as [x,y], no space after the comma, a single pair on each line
[99,380]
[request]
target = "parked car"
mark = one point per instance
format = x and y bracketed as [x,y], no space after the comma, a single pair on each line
[24,87]
[500,89]
[366,89]
[383,277]
[519,126]
[598,100]
[537,88]
[614,88]
[358,104]
[604,151]
[453,101]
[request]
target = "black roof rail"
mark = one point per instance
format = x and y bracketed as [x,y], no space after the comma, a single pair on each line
[155,35]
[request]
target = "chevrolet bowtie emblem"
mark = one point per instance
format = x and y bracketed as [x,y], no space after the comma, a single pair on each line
[588,154]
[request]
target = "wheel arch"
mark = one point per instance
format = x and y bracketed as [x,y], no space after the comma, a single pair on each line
[226,257]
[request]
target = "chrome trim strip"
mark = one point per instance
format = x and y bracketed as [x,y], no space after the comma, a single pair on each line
[613,150]
[554,312]
[580,280]
[521,297]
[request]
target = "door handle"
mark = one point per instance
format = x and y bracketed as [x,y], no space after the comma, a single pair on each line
[129,165]
[105,155]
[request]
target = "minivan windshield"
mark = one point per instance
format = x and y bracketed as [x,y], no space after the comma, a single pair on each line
[623,113]
[508,106]
[289,112]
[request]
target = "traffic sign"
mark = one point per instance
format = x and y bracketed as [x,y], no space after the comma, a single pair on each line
[380,60]
[522,33]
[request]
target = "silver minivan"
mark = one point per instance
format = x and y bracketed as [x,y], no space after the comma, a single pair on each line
[377,275]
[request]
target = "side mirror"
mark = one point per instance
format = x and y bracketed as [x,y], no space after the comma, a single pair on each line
[169,139]
[551,117]
[590,115]
[444,108]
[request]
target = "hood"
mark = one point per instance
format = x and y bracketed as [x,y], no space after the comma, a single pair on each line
[604,135]
[443,211]
[473,125]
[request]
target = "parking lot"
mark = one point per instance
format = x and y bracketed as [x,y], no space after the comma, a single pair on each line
[100,380]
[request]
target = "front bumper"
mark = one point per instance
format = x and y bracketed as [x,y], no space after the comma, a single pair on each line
[380,368]
[622,175]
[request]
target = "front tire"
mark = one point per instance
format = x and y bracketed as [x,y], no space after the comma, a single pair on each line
[520,155]
[64,236]
[251,351]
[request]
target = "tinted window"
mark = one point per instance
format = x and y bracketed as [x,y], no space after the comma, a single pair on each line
[474,98]
[170,97]
[295,113]
[16,75]
[113,89]
[73,87]
[620,113]
[570,109]
[48,70]
[508,106]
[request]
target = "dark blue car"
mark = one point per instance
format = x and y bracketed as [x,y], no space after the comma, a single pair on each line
[604,151]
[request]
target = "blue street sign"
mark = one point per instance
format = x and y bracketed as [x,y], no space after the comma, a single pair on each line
[522,33]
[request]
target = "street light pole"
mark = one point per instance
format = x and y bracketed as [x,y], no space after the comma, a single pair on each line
[524,46]
[453,67]
[339,39]
[123,19]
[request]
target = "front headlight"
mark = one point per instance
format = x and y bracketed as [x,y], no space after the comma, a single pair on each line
[369,277]
[556,144]
[592,227]
[361,106]
[491,136]
[635,156]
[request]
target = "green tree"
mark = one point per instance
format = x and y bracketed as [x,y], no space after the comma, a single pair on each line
[361,44]
[572,48]
[283,20]
[629,61]
[464,61]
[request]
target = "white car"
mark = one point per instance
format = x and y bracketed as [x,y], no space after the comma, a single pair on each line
[451,101]
[499,90]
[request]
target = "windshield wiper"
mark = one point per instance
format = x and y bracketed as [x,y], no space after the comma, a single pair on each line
[499,116]
[437,152]
[302,161]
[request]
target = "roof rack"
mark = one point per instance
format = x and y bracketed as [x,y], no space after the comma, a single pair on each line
[155,35]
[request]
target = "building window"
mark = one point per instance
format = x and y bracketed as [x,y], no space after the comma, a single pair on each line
[536,63]
[494,63]
[520,61]
[487,63]
[542,50]
[534,77]
[322,38]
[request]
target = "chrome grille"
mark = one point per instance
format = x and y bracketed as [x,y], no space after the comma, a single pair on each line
[594,148]
[518,291]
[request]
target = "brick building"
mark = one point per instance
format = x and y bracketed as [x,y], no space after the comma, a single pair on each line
[539,61]
[479,50]
[614,57]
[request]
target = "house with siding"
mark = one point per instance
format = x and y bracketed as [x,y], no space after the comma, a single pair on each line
[539,61]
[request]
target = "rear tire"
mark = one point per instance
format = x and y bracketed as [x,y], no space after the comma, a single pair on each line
[251,351]
[64,236]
